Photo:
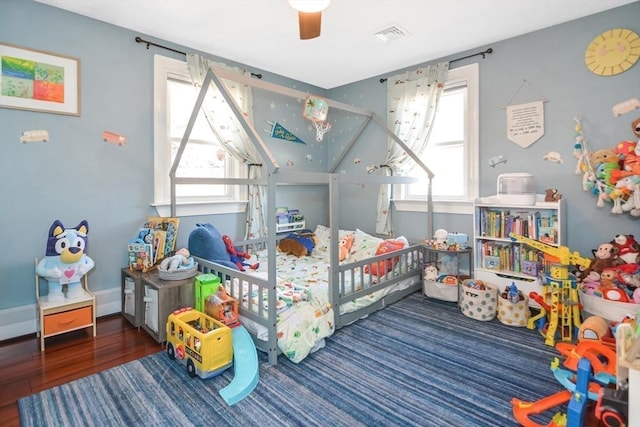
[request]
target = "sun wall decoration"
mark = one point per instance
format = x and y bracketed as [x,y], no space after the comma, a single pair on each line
[612,52]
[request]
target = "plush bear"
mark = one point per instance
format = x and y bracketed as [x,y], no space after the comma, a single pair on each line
[552,195]
[300,243]
[628,248]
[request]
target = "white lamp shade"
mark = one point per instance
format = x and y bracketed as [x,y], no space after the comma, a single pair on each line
[309,6]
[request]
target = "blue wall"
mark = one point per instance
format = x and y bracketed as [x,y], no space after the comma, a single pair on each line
[78,176]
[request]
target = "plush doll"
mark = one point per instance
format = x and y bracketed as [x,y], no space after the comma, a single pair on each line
[238,257]
[628,248]
[181,259]
[65,260]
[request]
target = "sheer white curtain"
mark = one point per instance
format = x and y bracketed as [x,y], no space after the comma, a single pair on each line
[412,100]
[227,128]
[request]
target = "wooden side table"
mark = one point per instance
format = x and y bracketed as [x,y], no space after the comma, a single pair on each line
[161,298]
[62,316]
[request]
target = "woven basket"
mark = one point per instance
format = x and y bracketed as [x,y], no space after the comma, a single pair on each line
[178,273]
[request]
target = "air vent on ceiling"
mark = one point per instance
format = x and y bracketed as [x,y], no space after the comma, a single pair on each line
[392,32]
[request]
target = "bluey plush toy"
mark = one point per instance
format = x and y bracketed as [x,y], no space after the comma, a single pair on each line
[65,261]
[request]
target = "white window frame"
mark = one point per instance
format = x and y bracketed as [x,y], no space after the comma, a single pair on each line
[456,76]
[164,69]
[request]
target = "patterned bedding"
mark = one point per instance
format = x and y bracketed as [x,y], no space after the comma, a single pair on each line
[304,315]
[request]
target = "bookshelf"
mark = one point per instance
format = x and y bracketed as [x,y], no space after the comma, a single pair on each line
[501,261]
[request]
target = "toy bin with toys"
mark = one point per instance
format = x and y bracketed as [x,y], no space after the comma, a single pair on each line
[613,311]
[478,299]
[513,307]
[443,287]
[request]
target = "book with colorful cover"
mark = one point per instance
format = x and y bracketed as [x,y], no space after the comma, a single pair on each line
[140,255]
[170,227]
[547,235]
[159,240]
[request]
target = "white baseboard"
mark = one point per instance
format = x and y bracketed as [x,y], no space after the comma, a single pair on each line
[18,321]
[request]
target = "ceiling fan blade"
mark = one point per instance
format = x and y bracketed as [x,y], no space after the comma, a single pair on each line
[309,24]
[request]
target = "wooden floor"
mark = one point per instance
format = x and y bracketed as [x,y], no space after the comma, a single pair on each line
[25,370]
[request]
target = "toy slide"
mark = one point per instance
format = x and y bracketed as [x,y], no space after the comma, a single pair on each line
[245,367]
[523,410]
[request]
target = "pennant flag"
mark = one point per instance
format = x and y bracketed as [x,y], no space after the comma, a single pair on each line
[278,131]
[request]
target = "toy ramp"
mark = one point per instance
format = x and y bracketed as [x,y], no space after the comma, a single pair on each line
[245,366]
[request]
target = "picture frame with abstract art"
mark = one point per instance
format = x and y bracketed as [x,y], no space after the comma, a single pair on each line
[36,80]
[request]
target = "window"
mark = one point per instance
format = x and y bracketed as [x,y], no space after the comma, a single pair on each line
[452,153]
[203,156]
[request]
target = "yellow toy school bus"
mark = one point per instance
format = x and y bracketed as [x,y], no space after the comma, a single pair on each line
[201,343]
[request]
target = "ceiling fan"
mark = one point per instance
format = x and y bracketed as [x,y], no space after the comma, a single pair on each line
[309,16]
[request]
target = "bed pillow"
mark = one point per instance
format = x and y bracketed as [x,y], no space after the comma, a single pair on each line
[364,245]
[323,239]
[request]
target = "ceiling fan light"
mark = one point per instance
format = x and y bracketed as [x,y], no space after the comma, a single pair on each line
[309,6]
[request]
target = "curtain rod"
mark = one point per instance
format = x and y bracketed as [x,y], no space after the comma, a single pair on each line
[149,43]
[483,53]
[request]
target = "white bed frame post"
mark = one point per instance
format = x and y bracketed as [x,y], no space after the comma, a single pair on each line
[334,251]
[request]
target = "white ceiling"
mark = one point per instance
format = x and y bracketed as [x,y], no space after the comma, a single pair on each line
[264,33]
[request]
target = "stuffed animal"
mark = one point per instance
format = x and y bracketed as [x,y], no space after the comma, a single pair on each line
[65,261]
[606,255]
[237,257]
[629,153]
[205,241]
[552,195]
[181,259]
[431,272]
[344,246]
[604,161]
[628,248]
[441,236]
[300,243]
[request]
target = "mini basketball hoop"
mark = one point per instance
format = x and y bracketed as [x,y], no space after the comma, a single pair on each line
[316,109]
[322,127]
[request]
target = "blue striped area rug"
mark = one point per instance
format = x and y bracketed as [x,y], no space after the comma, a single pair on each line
[415,363]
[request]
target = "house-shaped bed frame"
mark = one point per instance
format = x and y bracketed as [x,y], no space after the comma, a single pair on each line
[411,258]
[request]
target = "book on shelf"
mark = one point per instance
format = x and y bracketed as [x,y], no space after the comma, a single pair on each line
[548,235]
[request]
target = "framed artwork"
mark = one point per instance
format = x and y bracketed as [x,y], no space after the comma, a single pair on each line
[39,81]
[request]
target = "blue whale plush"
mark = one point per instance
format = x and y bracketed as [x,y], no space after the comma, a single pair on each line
[65,261]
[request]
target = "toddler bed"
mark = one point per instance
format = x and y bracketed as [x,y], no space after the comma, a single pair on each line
[305,306]
[286,298]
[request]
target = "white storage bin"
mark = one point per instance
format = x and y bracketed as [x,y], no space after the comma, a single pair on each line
[441,291]
[612,311]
